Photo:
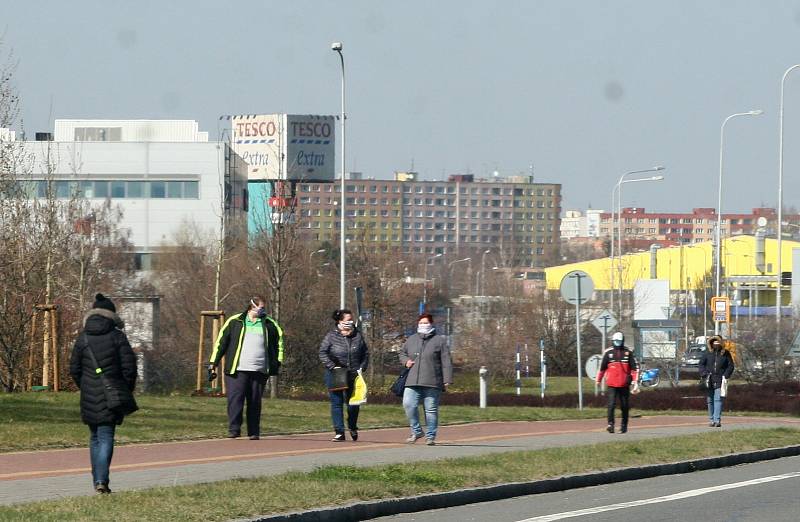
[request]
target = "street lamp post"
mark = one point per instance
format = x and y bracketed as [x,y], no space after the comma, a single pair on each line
[425,280]
[618,191]
[450,267]
[483,270]
[337,47]
[719,201]
[780,202]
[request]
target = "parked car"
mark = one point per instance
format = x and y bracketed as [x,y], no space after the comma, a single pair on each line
[691,359]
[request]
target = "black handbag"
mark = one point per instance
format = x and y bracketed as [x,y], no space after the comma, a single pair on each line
[338,379]
[119,397]
[399,385]
[705,382]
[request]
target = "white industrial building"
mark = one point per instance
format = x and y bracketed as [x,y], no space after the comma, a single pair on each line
[162,174]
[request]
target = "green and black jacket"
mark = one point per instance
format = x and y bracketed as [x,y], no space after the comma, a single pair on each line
[230,339]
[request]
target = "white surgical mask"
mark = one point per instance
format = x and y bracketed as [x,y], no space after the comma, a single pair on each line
[424,329]
[345,325]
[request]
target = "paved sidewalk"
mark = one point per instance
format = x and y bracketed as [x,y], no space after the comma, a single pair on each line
[31,476]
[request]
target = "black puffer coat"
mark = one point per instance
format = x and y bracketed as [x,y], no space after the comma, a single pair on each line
[115,357]
[347,352]
[718,364]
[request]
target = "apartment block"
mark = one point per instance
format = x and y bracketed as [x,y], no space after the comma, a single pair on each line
[462,216]
[697,226]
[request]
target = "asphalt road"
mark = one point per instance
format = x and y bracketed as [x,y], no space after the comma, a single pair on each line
[762,492]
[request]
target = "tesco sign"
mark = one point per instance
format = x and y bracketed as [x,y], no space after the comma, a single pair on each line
[311,129]
[253,129]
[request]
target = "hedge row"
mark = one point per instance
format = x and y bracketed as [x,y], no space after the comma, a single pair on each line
[768,398]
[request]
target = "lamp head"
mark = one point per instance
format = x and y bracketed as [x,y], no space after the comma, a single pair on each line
[757,112]
[336,46]
[657,178]
[658,167]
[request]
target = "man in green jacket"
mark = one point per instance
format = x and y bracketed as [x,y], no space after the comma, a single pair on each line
[252,343]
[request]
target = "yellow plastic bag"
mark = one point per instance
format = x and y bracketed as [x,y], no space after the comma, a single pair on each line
[359,395]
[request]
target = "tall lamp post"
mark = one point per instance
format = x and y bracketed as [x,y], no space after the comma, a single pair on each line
[618,191]
[450,268]
[425,280]
[719,202]
[482,272]
[337,47]
[780,202]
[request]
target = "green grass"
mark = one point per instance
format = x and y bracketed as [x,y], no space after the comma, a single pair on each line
[36,421]
[337,485]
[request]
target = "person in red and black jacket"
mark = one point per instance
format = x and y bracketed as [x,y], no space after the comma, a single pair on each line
[620,369]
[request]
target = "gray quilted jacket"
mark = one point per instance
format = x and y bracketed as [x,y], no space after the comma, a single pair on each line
[433,367]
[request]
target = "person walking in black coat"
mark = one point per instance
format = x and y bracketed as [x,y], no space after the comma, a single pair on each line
[343,347]
[716,365]
[102,333]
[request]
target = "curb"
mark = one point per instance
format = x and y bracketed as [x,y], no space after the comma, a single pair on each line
[460,497]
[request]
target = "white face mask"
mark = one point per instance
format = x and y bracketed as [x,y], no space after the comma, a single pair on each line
[424,328]
[617,342]
[346,325]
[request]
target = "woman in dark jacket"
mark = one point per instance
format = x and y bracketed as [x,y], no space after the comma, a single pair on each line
[102,333]
[716,364]
[343,347]
[431,371]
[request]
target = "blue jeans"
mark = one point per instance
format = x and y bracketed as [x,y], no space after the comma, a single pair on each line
[101,449]
[714,401]
[338,400]
[430,403]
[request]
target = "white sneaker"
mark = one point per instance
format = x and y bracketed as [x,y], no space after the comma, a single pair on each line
[413,438]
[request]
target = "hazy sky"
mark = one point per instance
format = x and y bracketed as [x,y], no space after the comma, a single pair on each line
[581,90]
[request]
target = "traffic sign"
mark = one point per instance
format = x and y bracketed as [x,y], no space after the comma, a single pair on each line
[721,310]
[577,287]
[605,321]
[593,365]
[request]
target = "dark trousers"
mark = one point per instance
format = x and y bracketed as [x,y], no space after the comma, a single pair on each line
[622,394]
[244,387]
[338,400]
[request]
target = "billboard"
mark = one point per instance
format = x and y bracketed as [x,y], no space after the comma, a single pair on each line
[651,299]
[286,146]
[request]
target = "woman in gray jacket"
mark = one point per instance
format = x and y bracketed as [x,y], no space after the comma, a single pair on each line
[431,371]
[343,347]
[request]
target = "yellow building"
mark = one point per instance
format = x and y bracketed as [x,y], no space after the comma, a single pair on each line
[685,265]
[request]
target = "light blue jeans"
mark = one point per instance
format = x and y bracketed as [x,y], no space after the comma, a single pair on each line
[714,401]
[430,403]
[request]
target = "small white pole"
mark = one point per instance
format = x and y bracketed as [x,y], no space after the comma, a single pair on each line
[482,375]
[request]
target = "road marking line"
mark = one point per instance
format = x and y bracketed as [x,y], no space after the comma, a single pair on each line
[656,500]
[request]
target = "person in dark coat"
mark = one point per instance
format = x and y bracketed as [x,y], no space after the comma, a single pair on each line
[343,347]
[103,333]
[716,365]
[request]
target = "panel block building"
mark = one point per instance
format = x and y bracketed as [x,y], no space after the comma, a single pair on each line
[462,216]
